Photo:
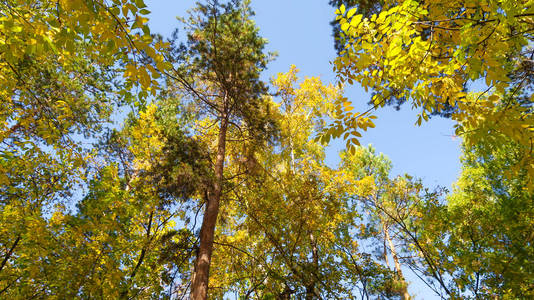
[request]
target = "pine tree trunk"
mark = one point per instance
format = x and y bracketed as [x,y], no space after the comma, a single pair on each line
[404,292]
[199,287]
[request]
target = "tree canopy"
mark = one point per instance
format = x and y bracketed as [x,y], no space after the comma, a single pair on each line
[427,52]
[140,166]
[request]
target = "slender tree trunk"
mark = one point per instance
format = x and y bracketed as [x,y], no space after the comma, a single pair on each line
[199,287]
[386,258]
[310,288]
[404,292]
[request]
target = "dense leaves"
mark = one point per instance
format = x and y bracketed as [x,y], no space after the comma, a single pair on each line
[217,184]
[427,52]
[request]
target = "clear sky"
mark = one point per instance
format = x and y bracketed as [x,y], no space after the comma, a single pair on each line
[299,31]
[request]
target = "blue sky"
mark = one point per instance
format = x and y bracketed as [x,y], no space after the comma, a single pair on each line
[299,31]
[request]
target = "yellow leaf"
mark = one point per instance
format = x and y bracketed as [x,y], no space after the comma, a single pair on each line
[351,12]
[394,51]
[356,20]
[144,77]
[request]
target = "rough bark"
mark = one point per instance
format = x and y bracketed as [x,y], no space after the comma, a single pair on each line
[199,287]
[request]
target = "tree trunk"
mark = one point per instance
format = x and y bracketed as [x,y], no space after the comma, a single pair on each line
[385,246]
[310,288]
[199,287]
[400,276]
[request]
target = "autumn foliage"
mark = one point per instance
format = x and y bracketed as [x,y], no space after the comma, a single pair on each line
[215,183]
